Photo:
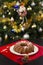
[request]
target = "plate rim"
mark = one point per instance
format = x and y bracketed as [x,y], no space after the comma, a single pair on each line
[14,52]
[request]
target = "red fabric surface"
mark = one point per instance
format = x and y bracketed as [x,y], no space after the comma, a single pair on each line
[4,50]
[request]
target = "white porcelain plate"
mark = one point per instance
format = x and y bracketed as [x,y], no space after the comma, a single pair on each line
[14,52]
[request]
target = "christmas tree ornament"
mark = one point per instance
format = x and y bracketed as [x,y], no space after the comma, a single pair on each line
[18,3]
[34,13]
[4,6]
[14,9]
[24,24]
[40,29]
[21,18]
[22,11]
[40,12]
[6,36]
[12,30]
[26,36]
[5,13]
[8,10]
[29,8]
[4,27]
[22,28]
[9,13]
[17,36]
[42,15]
[0,39]
[3,16]
[34,26]
[33,3]
[12,19]
[13,38]
[41,3]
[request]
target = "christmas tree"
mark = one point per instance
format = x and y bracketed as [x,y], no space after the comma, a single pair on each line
[22,19]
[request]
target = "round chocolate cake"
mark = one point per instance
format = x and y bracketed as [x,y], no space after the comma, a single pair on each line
[24,48]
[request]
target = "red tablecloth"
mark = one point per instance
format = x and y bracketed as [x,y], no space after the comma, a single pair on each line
[4,50]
